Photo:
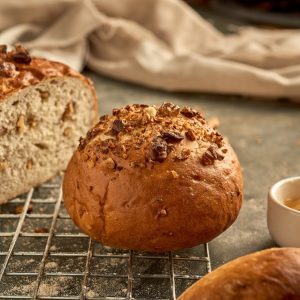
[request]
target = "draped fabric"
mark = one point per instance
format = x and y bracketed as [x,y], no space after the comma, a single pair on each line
[162,44]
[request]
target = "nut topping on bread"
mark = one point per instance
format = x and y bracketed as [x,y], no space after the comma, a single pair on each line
[7,69]
[20,55]
[155,130]
[210,155]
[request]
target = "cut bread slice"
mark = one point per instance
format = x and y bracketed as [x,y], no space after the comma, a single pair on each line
[41,123]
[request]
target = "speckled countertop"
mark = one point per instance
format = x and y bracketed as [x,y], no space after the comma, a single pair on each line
[265,135]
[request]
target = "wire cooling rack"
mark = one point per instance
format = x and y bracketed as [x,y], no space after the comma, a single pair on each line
[44,256]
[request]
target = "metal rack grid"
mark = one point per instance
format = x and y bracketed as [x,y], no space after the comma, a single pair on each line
[56,261]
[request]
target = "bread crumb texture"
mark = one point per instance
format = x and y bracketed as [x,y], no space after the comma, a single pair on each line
[44,108]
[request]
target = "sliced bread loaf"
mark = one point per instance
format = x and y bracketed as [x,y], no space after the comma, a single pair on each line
[44,108]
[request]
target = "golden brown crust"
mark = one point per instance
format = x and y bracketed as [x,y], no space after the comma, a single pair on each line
[269,274]
[153,179]
[19,70]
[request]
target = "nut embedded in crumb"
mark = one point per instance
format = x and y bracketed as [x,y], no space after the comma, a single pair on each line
[174,174]
[32,121]
[44,95]
[69,111]
[3,165]
[29,164]
[67,131]
[21,124]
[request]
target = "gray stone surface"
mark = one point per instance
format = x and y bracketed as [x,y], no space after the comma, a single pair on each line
[265,135]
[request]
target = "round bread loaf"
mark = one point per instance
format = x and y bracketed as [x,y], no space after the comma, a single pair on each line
[264,275]
[153,178]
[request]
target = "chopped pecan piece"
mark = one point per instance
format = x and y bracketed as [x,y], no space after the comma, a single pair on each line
[21,55]
[189,112]
[168,109]
[190,135]
[117,126]
[116,112]
[172,136]
[218,139]
[158,149]
[210,155]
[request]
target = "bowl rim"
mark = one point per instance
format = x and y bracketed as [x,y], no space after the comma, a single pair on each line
[274,188]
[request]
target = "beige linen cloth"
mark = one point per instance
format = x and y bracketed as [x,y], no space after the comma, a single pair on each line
[158,43]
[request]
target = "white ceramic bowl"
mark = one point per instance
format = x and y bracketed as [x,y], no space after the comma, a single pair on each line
[284,222]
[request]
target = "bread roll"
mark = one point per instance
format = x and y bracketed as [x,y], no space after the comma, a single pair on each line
[153,178]
[44,108]
[272,274]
